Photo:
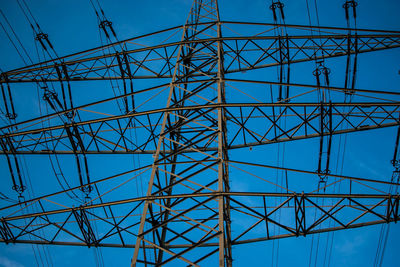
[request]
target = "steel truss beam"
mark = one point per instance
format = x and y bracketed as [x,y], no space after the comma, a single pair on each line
[107,135]
[300,208]
[241,53]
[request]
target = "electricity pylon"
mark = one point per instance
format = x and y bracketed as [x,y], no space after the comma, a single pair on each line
[189,212]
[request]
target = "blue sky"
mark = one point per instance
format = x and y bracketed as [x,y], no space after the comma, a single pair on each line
[72,27]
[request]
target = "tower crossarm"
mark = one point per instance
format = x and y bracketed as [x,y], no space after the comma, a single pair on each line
[100,137]
[241,53]
[258,221]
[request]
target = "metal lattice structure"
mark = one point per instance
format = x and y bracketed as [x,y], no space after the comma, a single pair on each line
[196,108]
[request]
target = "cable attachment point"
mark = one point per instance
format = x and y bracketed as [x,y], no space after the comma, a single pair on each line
[19,189]
[49,94]
[51,98]
[322,70]
[277,5]
[106,23]
[71,114]
[11,116]
[395,163]
[350,4]
[43,36]
[87,190]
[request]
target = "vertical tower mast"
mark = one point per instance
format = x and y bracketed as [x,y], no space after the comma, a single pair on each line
[170,229]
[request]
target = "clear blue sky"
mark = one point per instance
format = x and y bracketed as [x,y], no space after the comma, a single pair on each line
[72,27]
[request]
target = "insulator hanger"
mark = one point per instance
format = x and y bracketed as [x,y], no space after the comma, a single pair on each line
[43,37]
[7,98]
[44,41]
[60,73]
[13,165]
[104,24]
[325,124]
[77,145]
[352,4]
[321,69]
[352,44]
[277,11]
[277,5]
[51,97]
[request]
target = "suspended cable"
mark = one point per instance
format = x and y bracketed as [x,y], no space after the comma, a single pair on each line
[12,42]
[16,36]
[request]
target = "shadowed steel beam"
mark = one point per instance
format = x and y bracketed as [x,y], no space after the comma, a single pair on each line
[93,68]
[357,117]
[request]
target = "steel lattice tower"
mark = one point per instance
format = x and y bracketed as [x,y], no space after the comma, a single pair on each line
[186,124]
